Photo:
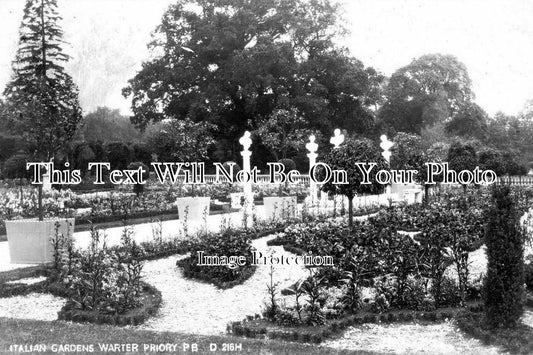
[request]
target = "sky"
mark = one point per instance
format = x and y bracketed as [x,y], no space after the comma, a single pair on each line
[493,38]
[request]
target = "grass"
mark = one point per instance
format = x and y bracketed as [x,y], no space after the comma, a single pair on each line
[16,331]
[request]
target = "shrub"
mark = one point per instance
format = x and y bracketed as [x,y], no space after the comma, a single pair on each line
[230,242]
[286,318]
[449,293]
[415,296]
[505,248]
[380,304]
[103,279]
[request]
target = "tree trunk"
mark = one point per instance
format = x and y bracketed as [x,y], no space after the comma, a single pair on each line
[21,193]
[40,189]
[350,211]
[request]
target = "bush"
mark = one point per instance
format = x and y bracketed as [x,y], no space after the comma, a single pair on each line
[449,293]
[228,243]
[102,279]
[505,253]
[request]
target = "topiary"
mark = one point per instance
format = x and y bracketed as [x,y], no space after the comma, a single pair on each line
[504,286]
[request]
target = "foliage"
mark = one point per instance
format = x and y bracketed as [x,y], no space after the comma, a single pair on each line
[119,155]
[350,153]
[142,153]
[230,242]
[469,122]
[427,91]
[107,125]
[288,164]
[103,279]
[41,97]
[234,64]
[313,289]
[408,154]
[283,132]
[9,145]
[15,167]
[139,188]
[505,252]
[462,157]
[182,141]
[490,159]
[272,310]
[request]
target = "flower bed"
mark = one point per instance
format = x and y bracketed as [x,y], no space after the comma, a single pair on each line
[149,302]
[228,243]
[402,272]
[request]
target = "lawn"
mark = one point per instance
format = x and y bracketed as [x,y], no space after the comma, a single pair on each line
[17,331]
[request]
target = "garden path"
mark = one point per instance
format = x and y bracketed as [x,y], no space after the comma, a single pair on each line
[200,308]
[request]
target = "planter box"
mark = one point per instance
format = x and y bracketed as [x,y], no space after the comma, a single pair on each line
[29,240]
[193,208]
[277,208]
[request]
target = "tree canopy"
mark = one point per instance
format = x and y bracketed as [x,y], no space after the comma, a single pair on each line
[42,100]
[233,63]
[431,89]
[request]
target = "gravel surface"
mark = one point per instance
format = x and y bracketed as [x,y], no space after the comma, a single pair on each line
[36,306]
[194,307]
[442,338]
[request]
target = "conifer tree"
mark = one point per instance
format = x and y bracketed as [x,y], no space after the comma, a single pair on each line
[504,285]
[42,99]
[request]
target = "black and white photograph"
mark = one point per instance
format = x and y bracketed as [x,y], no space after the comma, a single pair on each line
[307,177]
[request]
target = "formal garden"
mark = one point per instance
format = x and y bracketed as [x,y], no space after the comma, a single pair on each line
[220,254]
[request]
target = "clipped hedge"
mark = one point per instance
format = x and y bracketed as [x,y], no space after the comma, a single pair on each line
[256,327]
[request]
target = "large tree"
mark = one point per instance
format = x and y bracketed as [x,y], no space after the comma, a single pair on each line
[42,98]
[431,89]
[233,63]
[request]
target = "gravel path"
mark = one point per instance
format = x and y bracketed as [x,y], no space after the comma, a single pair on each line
[194,307]
[36,306]
[442,338]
